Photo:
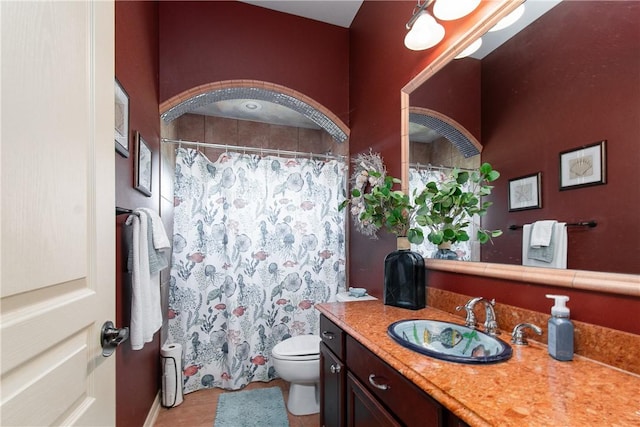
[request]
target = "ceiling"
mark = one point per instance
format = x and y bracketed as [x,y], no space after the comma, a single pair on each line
[336,12]
[342,13]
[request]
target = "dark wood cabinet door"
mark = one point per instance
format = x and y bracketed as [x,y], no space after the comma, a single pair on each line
[363,409]
[332,388]
[402,398]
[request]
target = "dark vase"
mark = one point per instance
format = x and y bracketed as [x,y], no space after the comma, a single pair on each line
[444,252]
[404,279]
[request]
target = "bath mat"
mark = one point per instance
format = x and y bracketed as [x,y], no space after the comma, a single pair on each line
[248,408]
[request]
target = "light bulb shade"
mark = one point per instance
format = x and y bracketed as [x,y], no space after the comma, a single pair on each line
[449,10]
[470,49]
[509,19]
[425,33]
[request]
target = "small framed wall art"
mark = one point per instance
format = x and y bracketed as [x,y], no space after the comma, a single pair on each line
[583,166]
[121,121]
[142,166]
[525,192]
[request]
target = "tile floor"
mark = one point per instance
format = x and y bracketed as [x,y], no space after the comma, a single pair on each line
[199,408]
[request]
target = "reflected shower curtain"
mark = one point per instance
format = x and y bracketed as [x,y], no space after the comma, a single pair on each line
[258,241]
[418,179]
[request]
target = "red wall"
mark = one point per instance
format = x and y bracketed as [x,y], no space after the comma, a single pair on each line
[205,42]
[454,91]
[578,92]
[137,372]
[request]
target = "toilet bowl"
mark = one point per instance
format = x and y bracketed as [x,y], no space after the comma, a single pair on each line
[297,361]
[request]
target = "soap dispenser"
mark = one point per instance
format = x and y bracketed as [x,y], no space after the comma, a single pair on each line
[560,332]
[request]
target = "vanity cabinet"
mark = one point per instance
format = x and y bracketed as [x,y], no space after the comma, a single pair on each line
[359,389]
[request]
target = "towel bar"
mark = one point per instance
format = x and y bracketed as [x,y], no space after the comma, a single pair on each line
[589,224]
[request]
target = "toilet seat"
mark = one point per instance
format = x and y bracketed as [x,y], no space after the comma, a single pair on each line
[301,347]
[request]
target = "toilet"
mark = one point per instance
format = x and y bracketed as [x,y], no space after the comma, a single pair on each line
[297,360]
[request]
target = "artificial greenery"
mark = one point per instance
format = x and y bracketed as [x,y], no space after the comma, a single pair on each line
[445,208]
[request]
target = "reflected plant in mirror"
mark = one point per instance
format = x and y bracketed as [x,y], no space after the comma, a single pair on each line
[447,207]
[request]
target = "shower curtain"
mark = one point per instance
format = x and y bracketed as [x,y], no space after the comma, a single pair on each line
[418,179]
[258,241]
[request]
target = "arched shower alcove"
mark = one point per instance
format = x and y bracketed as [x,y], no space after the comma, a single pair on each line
[271,93]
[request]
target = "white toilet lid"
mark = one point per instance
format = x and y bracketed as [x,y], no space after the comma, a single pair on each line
[301,347]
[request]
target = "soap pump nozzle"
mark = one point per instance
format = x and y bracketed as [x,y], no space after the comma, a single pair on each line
[560,308]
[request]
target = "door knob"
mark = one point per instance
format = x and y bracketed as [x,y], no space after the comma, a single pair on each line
[111,337]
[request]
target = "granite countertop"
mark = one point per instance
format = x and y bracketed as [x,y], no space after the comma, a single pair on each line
[531,388]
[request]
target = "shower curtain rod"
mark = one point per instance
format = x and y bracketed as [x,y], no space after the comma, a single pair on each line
[254,149]
[430,166]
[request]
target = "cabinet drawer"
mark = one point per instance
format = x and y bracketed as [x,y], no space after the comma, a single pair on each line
[364,410]
[332,336]
[403,399]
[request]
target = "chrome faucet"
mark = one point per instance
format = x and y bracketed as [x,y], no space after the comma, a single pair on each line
[518,337]
[490,323]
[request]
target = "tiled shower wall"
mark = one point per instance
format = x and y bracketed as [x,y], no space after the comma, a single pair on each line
[218,130]
[441,152]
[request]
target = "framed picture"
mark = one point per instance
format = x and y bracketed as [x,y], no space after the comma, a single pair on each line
[583,166]
[142,169]
[525,193]
[121,122]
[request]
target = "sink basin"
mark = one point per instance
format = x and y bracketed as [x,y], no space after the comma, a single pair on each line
[449,341]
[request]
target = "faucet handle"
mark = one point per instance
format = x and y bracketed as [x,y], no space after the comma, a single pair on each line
[490,321]
[470,321]
[518,337]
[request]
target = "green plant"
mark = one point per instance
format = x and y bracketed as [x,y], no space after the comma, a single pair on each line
[445,208]
[374,202]
[383,207]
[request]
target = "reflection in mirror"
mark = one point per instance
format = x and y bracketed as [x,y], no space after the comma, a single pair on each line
[436,146]
[525,103]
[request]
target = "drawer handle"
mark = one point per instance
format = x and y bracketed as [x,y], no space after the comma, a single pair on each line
[335,369]
[376,385]
[328,335]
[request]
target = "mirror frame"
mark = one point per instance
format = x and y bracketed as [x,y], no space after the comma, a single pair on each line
[614,283]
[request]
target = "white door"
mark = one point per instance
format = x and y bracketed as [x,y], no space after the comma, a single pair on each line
[57,245]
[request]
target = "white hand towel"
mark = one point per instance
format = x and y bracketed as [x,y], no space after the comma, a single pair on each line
[541,233]
[158,242]
[160,239]
[146,315]
[559,251]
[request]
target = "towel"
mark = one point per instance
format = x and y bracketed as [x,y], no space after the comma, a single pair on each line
[541,233]
[541,253]
[146,315]
[559,241]
[160,239]
[158,242]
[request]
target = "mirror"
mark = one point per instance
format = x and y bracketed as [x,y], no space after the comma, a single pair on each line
[520,138]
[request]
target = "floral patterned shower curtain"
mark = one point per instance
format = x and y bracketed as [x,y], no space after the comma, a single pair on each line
[258,241]
[418,179]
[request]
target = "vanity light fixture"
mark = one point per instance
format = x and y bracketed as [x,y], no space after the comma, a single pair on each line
[449,10]
[424,30]
[509,19]
[470,49]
